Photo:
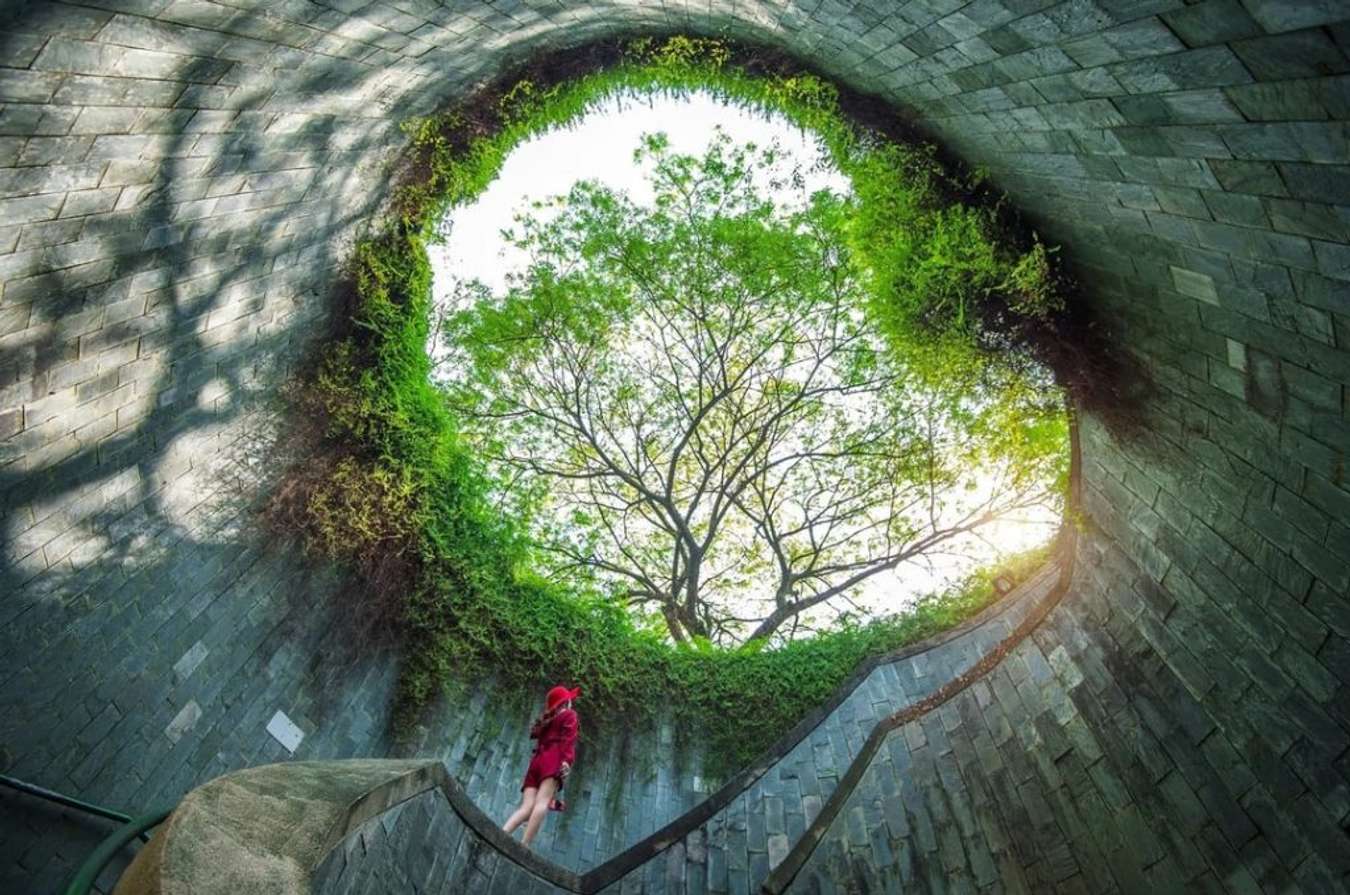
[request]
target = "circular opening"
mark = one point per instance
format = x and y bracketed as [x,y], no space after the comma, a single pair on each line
[655,326]
[948,289]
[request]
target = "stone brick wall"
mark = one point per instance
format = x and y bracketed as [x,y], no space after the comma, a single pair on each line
[190,647]
[179,181]
[626,785]
[734,849]
[1086,762]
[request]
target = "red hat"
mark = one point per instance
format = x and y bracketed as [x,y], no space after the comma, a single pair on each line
[558,695]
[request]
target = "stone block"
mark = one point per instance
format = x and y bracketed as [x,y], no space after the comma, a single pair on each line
[1287,141]
[1315,183]
[35,120]
[1331,608]
[1188,70]
[1212,22]
[1195,285]
[1282,835]
[1300,54]
[183,722]
[1143,37]
[31,208]
[1181,201]
[189,661]
[1184,107]
[1310,219]
[1236,208]
[1034,62]
[1278,16]
[19,86]
[1280,101]
[1333,259]
[1242,176]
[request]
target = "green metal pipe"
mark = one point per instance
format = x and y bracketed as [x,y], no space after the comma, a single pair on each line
[93,865]
[49,795]
[40,792]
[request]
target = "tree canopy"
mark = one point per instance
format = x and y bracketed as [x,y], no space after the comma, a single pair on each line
[690,400]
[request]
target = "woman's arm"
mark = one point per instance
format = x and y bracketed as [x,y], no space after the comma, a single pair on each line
[570,725]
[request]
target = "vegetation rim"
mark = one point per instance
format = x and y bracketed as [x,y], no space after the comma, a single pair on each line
[389,489]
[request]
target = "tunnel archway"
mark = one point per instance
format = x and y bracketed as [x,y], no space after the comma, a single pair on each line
[181,181]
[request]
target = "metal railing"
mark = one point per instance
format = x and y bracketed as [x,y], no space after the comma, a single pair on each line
[131,828]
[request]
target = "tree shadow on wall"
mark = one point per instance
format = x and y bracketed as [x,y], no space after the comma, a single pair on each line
[118,548]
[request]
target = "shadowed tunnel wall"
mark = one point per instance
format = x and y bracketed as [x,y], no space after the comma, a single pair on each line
[180,181]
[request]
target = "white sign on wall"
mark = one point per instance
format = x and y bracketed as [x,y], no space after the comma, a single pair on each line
[284,731]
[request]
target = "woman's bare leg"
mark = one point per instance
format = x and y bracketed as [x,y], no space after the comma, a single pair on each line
[522,813]
[547,790]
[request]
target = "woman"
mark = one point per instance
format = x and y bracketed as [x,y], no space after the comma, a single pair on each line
[556,733]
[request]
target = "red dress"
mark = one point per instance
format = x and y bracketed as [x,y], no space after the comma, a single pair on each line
[557,744]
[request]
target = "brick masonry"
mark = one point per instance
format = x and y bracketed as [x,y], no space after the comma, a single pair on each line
[1084,763]
[179,180]
[734,849]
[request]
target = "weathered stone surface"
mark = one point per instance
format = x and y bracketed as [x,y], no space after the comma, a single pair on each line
[265,829]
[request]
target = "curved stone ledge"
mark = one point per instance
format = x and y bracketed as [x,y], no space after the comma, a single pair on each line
[782,874]
[1059,771]
[266,828]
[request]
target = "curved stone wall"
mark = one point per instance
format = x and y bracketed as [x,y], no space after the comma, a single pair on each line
[179,180]
[1056,765]
[1082,763]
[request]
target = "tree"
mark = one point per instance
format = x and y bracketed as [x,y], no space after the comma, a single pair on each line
[689,399]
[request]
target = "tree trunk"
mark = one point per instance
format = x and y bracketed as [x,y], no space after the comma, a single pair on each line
[673,622]
[775,618]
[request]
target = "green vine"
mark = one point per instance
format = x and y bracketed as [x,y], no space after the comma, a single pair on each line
[403,500]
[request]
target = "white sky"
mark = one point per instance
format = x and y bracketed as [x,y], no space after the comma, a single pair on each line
[600,147]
